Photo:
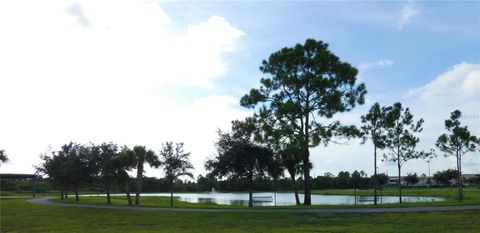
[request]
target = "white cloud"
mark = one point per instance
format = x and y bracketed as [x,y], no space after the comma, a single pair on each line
[462,81]
[365,67]
[457,88]
[409,10]
[88,71]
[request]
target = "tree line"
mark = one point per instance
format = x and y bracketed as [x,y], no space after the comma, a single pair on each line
[76,165]
[203,183]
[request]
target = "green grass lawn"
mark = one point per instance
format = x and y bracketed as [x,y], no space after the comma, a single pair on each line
[145,201]
[17,215]
[472,196]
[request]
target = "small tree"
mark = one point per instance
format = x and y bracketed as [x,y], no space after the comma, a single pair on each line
[445,177]
[206,183]
[381,178]
[124,163]
[356,178]
[239,158]
[54,166]
[175,163]
[374,128]
[107,157]
[400,139]
[457,142]
[79,165]
[291,161]
[343,179]
[287,148]
[411,178]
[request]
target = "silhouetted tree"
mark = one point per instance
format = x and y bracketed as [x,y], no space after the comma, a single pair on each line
[374,128]
[175,162]
[444,177]
[239,158]
[80,169]
[291,161]
[457,142]
[356,179]
[107,155]
[400,140]
[55,167]
[206,183]
[307,82]
[141,156]
[343,179]
[382,179]
[124,163]
[411,178]
[287,149]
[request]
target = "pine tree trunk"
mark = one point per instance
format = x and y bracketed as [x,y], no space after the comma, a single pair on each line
[375,180]
[399,182]
[66,194]
[306,174]
[61,194]
[459,178]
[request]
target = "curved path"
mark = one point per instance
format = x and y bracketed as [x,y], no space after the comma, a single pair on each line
[46,201]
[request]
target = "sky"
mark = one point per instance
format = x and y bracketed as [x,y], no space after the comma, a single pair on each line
[146,72]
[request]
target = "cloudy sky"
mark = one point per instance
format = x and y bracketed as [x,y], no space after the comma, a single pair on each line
[144,72]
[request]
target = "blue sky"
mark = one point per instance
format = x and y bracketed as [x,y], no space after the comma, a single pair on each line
[138,72]
[440,35]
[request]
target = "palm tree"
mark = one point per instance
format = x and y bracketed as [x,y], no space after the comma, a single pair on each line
[291,160]
[141,156]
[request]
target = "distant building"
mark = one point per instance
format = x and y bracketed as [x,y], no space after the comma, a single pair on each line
[423,180]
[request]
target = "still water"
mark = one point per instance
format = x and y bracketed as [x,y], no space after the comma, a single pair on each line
[285,199]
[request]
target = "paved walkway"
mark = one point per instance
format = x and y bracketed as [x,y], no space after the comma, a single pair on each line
[46,201]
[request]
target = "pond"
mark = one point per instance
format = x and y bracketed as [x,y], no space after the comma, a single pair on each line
[286,199]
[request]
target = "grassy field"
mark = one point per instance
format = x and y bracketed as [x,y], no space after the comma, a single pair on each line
[17,215]
[472,196]
[145,201]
